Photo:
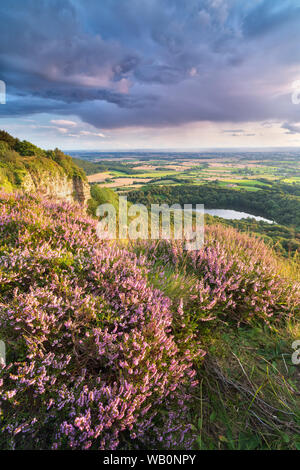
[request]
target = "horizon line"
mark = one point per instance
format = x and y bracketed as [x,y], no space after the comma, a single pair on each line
[183,150]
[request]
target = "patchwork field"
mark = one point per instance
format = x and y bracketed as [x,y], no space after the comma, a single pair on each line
[250,170]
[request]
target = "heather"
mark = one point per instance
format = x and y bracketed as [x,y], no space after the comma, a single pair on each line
[92,360]
[109,346]
[236,278]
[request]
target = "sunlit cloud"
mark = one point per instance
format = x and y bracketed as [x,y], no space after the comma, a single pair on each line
[152,66]
[63,122]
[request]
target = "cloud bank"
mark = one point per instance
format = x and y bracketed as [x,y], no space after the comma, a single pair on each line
[151,63]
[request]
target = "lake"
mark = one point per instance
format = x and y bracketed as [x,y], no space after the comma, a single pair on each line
[234,215]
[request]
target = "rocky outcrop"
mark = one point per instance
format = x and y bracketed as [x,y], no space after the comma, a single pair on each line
[26,167]
[81,190]
[60,186]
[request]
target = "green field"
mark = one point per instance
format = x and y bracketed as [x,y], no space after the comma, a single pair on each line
[236,171]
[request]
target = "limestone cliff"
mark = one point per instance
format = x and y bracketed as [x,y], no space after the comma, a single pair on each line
[60,186]
[23,166]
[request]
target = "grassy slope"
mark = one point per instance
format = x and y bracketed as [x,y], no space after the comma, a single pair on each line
[249,391]
[247,394]
[282,204]
[100,196]
[14,167]
[247,397]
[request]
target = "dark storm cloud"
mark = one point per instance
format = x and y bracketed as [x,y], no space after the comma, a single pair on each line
[151,62]
[271,15]
[291,128]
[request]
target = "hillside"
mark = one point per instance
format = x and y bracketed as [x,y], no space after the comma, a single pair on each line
[23,166]
[145,345]
[280,203]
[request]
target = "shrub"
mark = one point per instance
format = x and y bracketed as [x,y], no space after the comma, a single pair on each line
[97,357]
[237,278]
[92,361]
[6,137]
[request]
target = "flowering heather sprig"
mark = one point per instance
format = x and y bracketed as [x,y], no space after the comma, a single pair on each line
[237,277]
[92,360]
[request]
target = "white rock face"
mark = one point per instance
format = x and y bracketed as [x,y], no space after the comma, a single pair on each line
[61,187]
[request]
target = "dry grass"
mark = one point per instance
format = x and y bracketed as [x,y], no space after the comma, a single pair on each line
[248,396]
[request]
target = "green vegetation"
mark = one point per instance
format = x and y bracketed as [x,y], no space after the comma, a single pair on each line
[133,345]
[20,159]
[142,344]
[168,179]
[247,396]
[270,203]
[102,196]
[248,391]
[246,170]
[285,240]
[117,167]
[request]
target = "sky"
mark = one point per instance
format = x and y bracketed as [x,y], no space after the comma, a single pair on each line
[151,74]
